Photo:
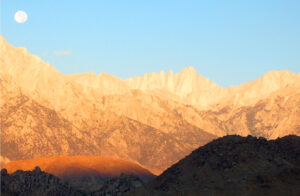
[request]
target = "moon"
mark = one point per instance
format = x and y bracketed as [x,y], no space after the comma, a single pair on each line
[20,16]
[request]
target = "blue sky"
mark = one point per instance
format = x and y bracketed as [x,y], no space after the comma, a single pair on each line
[229,42]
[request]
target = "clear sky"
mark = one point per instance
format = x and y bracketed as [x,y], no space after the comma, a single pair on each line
[229,42]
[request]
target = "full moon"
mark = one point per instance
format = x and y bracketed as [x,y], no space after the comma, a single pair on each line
[20,16]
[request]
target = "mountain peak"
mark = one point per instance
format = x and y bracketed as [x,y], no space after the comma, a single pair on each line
[106,75]
[275,74]
[170,73]
[278,78]
[189,70]
[4,46]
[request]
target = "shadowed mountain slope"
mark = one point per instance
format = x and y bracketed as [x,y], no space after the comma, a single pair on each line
[234,165]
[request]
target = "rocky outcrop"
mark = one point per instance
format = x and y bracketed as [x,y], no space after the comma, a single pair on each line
[119,186]
[39,183]
[33,182]
[234,165]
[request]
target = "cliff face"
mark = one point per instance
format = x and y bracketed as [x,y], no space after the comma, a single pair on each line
[153,120]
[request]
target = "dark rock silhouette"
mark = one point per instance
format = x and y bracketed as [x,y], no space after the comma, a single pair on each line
[233,165]
[82,172]
[40,183]
[119,185]
[35,182]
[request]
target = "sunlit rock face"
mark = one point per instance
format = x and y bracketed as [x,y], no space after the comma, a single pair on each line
[187,85]
[153,120]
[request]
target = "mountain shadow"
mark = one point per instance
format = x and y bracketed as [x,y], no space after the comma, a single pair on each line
[233,165]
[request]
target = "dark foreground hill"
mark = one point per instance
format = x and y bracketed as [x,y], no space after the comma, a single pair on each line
[35,182]
[233,165]
[118,186]
[39,183]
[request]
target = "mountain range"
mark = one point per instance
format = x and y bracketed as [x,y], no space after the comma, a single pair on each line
[153,120]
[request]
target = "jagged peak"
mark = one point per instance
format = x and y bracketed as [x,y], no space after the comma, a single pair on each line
[170,72]
[190,70]
[92,74]
[106,76]
[275,73]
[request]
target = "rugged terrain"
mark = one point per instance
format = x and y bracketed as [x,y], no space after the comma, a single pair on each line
[82,172]
[233,165]
[153,120]
[40,183]
[34,183]
[121,185]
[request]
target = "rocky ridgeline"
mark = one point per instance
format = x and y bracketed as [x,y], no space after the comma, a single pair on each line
[119,185]
[35,182]
[234,165]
